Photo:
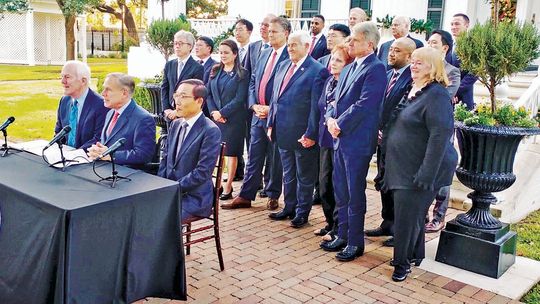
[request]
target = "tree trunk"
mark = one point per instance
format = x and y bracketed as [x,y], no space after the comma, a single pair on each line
[69,22]
[491,89]
[129,20]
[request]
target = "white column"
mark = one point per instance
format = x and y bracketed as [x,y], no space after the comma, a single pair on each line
[522,10]
[30,54]
[84,49]
[48,50]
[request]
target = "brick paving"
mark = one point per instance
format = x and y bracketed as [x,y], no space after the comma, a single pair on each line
[269,262]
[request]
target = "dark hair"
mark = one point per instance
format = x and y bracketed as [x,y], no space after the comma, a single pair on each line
[237,66]
[208,41]
[446,39]
[284,23]
[245,22]
[465,17]
[320,17]
[341,28]
[199,90]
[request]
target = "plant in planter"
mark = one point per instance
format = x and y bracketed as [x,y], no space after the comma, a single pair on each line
[161,32]
[488,139]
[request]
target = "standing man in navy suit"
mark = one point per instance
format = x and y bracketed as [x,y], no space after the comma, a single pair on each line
[337,33]
[125,120]
[176,70]
[80,107]
[191,150]
[460,24]
[317,48]
[398,82]
[204,47]
[259,102]
[353,124]
[400,28]
[293,122]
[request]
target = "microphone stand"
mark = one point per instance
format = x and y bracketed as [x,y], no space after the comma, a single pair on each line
[62,160]
[5,148]
[114,177]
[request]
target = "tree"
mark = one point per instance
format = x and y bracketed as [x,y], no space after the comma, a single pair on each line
[161,32]
[208,9]
[128,19]
[70,9]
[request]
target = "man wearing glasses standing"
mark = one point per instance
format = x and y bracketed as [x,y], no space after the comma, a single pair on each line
[178,69]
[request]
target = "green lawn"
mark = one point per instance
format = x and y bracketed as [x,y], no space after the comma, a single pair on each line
[31,94]
[528,231]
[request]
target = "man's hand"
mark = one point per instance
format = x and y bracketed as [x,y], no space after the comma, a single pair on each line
[261,111]
[170,114]
[306,142]
[269,134]
[333,128]
[96,150]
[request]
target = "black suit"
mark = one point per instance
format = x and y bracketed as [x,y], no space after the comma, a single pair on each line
[192,69]
[382,54]
[207,69]
[320,49]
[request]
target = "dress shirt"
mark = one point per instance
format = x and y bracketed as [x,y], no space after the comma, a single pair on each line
[80,103]
[191,122]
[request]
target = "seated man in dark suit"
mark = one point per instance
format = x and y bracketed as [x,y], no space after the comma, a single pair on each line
[125,120]
[178,69]
[293,122]
[191,150]
[80,107]
[400,28]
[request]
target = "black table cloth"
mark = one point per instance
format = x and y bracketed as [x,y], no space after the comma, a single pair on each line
[67,238]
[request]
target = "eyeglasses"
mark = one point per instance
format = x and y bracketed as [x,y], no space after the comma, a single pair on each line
[181,96]
[181,43]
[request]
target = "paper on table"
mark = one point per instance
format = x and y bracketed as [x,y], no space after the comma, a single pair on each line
[53,153]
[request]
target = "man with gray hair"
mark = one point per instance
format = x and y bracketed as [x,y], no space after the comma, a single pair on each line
[353,123]
[80,107]
[356,15]
[125,120]
[178,69]
[400,28]
[293,123]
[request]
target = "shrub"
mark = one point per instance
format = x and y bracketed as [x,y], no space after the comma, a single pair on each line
[160,34]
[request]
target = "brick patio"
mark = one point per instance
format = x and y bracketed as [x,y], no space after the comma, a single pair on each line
[270,262]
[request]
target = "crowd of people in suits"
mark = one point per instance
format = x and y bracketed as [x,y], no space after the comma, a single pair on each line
[310,110]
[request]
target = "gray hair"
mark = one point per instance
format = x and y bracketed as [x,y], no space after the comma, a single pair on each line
[188,35]
[82,70]
[369,30]
[303,36]
[405,19]
[283,22]
[124,80]
[359,11]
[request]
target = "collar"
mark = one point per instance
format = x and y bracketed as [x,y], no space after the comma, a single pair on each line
[184,61]
[360,60]
[124,107]
[204,60]
[82,98]
[300,62]
[279,51]
[192,120]
[318,36]
[400,71]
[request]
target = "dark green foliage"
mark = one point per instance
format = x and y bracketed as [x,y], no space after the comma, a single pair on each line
[421,26]
[386,21]
[505,115]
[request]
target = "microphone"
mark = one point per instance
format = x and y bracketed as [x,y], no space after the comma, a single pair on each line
[7,123]
[119,143]
[65,131]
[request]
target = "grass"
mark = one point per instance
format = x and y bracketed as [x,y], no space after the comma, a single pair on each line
[31,95]
[528,231]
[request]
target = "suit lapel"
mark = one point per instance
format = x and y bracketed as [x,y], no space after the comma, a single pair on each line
[122,120]
[84,114]
[280,76]
[216,95]
[185,70]
[190,138]
[264,57]
[352,78]
[299,71]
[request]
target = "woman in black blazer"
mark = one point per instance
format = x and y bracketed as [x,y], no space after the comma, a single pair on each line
[419,156]
[227,99]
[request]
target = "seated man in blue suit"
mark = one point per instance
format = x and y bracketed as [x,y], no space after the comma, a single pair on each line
[353,124]
[125,120]
[400,28]
[80,107]
[191,150]
[178,69]
[293,122]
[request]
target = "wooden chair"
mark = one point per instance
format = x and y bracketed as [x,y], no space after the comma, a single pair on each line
[214,218]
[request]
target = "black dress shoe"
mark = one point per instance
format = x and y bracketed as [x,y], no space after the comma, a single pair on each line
[415,262]
[281,215]
[299,221]
[262,194]
[349,253]
[400,273]
[335,245]
[226,196]
[378,232]
[389,242]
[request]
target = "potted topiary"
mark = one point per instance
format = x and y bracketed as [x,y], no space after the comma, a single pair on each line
[488,139]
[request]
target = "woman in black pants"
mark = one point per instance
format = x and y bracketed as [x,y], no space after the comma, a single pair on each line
[419,157]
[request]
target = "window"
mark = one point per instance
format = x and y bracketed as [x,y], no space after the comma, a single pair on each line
[363,4]
[435,12]
[310,8]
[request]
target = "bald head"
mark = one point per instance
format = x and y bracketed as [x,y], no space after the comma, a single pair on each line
[400,52]
[400,26]
[356,15]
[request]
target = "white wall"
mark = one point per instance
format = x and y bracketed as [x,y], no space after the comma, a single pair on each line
[255,11]
[412,8]
[335,9]
[172,9]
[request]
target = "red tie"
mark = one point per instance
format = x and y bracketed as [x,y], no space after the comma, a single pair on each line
[265,78]
[312,44]
[287,78]
[392,83]
[112,123]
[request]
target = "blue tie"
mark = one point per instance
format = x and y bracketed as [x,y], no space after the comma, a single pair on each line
[73,123]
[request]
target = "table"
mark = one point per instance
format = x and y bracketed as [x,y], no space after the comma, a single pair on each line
[66,238]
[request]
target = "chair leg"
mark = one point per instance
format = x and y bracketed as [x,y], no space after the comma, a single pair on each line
[188,239]
[218,246]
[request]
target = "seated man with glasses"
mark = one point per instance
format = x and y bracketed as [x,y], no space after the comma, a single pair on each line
[178,69]
[191,151]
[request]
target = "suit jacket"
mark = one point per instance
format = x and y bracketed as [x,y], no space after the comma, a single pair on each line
[254,51]
[395,95]
[229,100]
[465,92]
[320,49]
[295,112]
[255,81]
[208,68]
[192,167]
[385,49]
[137,126]
[90,122]
[357,106]
[325,60]
[192,69]
[454,76]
